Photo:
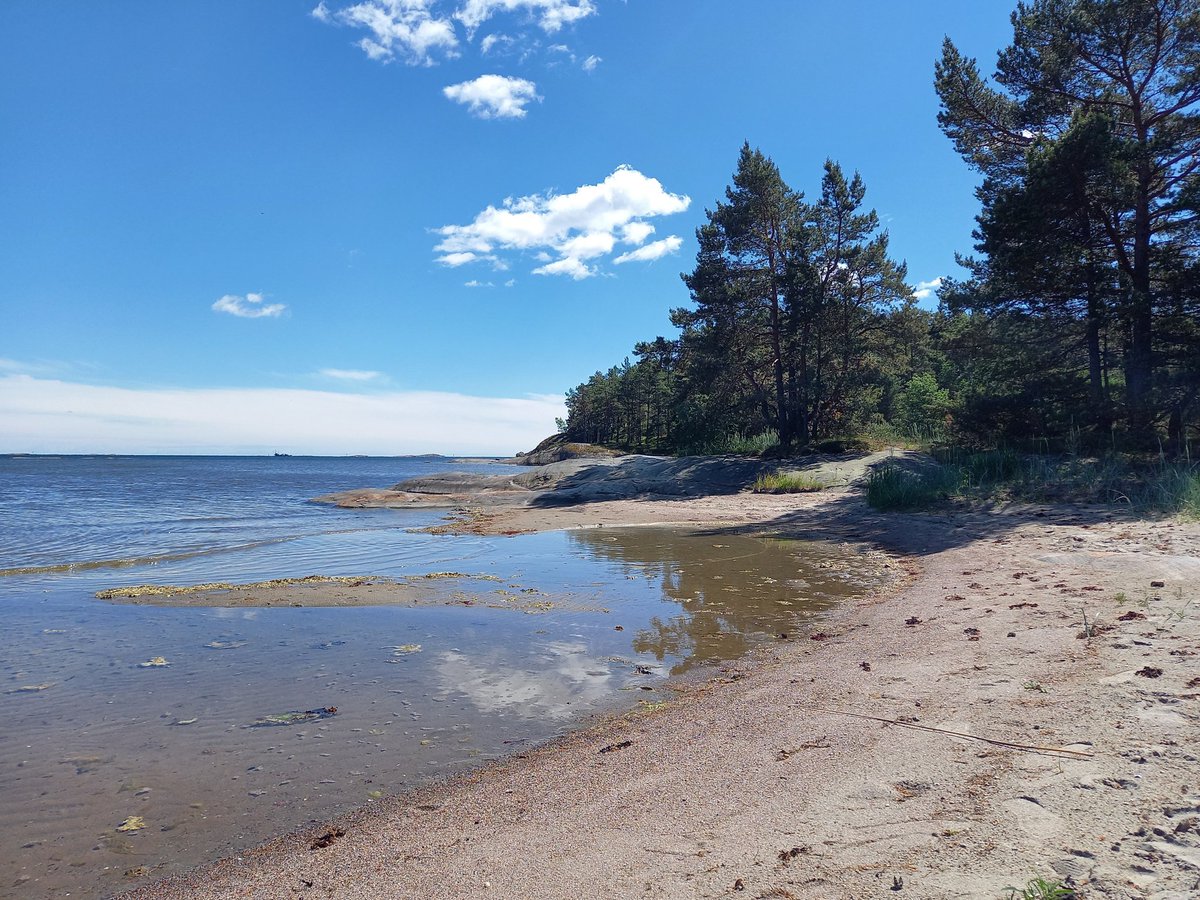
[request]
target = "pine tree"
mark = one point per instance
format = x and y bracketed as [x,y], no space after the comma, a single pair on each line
[740,286]
[1117,76]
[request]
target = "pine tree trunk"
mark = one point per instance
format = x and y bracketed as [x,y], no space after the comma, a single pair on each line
[1175,432]
[1100,412]
[1139,361]
[781,405]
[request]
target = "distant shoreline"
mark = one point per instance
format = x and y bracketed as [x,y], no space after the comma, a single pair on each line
[263,455]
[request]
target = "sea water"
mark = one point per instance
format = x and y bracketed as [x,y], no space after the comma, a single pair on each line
[113,771]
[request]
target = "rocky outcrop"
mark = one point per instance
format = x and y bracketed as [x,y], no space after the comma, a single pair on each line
[591,480]
[557,448]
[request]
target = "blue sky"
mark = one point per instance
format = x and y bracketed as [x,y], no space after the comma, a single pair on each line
[247,226]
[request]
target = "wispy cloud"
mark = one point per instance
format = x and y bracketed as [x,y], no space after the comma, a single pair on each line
[550,15]
[251,306]
[566,232]
[589,64]
[52,416]
[652,251]
[926,289]
[26,367]
[478,284]
[494,96]
[350,374]
[491,42]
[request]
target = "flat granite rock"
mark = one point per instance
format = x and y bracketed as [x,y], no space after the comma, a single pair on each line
[591,480]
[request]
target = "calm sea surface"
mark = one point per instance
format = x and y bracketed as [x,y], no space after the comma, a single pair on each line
[186,759]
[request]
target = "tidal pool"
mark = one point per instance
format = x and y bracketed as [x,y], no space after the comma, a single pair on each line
[114,769]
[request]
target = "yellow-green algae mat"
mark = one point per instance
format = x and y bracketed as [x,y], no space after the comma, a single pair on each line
[350,591]
[166,590]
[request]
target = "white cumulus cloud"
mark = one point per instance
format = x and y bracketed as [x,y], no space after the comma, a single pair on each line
[404,29]
[422,32]
[565,231]
[570,266]
[458,259]
[636,232]
[44,415]
[655,250]
[251,306]
[927,288]
[494,96]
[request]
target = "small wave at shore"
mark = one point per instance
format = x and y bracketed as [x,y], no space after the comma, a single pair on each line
[151,559]
[148,560]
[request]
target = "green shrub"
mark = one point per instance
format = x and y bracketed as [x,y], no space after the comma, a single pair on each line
[922,405]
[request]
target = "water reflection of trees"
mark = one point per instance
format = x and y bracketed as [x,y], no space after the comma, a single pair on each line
[733,591]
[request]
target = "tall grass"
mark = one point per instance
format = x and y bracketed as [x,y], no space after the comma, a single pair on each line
[787,483]
[1005,474]
[891,488]
[1172,487]
[881,435]
[738,444]
[991,466]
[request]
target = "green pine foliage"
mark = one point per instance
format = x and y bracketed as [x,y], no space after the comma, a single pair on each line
[1077,328]
[1088,236]
[788,334]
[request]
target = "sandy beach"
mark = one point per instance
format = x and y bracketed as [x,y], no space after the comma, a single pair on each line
[1022,702]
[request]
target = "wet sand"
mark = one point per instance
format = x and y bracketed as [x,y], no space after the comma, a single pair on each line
[960,733]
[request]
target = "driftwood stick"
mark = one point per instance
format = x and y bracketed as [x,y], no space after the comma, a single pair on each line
[1028,748]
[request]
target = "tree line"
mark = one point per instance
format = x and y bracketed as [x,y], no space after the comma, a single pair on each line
[1078,320]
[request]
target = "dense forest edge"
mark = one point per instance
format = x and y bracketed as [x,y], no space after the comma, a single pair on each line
[1068,355]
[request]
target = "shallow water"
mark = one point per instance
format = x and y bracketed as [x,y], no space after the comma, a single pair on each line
[82,512]
[420,692]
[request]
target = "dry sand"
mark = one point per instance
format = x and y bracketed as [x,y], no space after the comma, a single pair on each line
[773,780]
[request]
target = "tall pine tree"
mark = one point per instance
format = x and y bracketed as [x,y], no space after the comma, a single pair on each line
[1119,82]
